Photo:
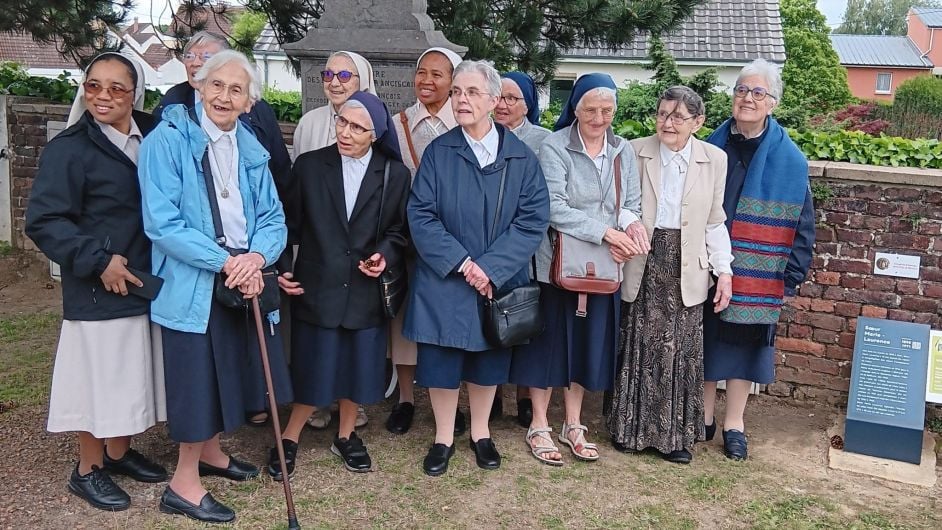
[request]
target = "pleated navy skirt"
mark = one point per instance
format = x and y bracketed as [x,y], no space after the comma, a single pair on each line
[213,379]
[444,367]
[328,364]
[571,349]
[734,357]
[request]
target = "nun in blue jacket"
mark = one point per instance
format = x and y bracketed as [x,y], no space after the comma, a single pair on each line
[451,212]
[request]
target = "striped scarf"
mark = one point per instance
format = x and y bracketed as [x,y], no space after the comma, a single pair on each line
[764,225]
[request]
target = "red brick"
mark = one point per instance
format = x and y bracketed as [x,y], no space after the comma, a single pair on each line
[846,309]
[836,383]
[847,204]
[932,319]
[907,194]
[932,290]
[862,237]
[880,283]
[937,245]
[834,293]
[930,229]
[931,274]
[799,362]
[826,366]
[920,304]
[884,208]
[840,353]
[904,241]
[824,306]
[824,233]
[907,286]
[851,324]
[853,282]
[825,248]
[879,298]
[934,197]
[869,192]
[873,311]
[803,377]
[836,218]
[899,314]
[825,336]
[811,289]
[821,320]
[846,340]
[848,265]
[799,345]
[799,331]
[827,278]
[852,252]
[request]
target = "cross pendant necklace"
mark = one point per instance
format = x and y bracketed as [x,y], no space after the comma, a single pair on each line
[224,183]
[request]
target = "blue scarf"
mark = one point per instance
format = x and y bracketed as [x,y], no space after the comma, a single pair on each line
[584,84]
[530,96]
[763,227]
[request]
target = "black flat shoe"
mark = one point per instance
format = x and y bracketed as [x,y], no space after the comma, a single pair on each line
[735,445]
[524,412]
[209,510]
[436,461]
[681,456]
[353,453]
[486,453]
[460,423]
[400,419]
[710,430]
[97,489]
[136,466]
[622,448]
[497,407]
[274,465]
[237,470]
[257,419]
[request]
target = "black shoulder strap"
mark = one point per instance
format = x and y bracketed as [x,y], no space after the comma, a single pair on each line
[500,205]
[211,190]
[382,199]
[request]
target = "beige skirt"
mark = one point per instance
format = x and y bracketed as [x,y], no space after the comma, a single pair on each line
[108,377]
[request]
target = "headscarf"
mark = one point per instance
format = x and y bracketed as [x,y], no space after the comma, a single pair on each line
[583,85]
[386,139]
[78,106]
[530,97]
[364,70]
[452,56]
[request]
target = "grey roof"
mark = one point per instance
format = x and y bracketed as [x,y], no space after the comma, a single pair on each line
[931,16]
[878,50]
[718,31]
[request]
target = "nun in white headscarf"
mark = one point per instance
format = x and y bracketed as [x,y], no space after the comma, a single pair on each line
[84,213]
[345,74]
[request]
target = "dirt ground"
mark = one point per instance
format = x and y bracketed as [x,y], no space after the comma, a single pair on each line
[784,484]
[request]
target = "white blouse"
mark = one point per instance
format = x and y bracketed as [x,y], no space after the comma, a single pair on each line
[354,169]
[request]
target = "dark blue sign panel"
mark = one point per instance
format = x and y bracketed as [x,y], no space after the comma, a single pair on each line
[886,408]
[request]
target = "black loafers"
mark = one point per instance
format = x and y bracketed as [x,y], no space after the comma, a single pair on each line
[486,453]
[735,445]
[460,423]
[97,489]
[274,465]
[353,453]
[710,431]
[497,407]
[136,466]
[524,412]
[681,456]
[400,419]
[436,461]
[236,470]
[209,510]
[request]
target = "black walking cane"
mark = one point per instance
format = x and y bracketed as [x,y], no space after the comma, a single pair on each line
[275,422]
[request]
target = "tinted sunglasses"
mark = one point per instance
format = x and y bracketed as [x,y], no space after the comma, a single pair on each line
[93,88]
[343,76]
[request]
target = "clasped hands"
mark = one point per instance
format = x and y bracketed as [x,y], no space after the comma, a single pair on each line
[477,278]
[625,245]
[244,272]
[372,267]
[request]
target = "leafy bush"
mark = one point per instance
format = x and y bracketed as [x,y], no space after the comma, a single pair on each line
[922,93]
[853,117]
[860,148]
[14,80]
[285,103]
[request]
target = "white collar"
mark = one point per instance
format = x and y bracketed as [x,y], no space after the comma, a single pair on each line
[363,160]
[735,130]
[667,155]
[445,114]
[490,142]
[603,153]
[520,128]
[214,132]
[117,137]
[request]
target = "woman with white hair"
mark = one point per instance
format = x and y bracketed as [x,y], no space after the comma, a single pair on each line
[211,231]
[85,214]
[595,197]
[470,249]
[770,218]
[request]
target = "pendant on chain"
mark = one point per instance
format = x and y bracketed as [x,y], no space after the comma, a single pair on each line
[225,193]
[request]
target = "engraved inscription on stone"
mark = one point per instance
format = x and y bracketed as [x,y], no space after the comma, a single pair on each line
[393,81]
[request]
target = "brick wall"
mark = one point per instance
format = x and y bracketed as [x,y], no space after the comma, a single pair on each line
[873,209]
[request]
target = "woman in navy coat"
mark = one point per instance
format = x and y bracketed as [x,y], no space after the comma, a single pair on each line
[451,212]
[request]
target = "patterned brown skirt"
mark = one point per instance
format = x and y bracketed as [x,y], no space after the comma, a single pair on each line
[658,396]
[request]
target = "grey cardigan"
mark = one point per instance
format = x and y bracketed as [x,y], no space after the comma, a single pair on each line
[532,135]
[582,204]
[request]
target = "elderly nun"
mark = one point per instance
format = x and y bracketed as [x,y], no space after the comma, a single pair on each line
[85,214]
[208,346]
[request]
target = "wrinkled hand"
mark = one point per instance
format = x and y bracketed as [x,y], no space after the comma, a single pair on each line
[253,286]
[724,291]
[290,287]
[639,235]
[618,255]
[239,269]
[373,266]
[624,246]
[117,274]
[477,278]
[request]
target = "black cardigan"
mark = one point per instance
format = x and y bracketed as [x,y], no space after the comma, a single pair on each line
[336,293]
[85,205]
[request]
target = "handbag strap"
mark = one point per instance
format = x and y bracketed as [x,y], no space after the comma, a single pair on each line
[211,190]
[382,199]
[617,187]
[500,205]
[405,129]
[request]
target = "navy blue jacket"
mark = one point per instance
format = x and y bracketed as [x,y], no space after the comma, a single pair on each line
[451,211]
[261,120]
[85,206]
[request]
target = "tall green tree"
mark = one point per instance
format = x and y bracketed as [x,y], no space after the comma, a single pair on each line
[879,17]
[815,81]
[246,28]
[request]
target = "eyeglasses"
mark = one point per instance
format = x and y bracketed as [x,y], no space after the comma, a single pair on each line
[93,88]
[471,92]
[510,101]
[343,76]
[606,112]
[216,87]
[190,56]
[677,120]
[758,93]
[355,128]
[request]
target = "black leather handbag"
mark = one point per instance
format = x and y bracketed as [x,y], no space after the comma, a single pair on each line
[393,284]
[515,317]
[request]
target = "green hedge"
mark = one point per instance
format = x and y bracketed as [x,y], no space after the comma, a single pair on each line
[860,148]
[16,81]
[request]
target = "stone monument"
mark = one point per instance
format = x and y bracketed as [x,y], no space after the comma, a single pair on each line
[391,34]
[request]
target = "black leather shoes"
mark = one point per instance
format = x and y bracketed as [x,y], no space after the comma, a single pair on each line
[97,489]
[274,465]
[681,456]
[497,407]
[400,419]
[353,453]
[436,461]
[710,431]
[460,423]
[136,466]
[237,470]
[486,453]
[209,510]
[524,412]
[735,445]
